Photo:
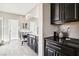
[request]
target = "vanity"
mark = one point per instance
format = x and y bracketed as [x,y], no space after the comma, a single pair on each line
[68,47]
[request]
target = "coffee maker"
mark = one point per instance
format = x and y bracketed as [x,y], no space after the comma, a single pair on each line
[56,37]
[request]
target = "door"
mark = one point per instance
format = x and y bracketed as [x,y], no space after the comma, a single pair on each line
[13,29]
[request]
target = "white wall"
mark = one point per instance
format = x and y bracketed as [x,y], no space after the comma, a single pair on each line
[48,29]
[7,16]
[40,31]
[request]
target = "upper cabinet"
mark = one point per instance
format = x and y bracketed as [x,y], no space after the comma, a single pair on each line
[77,11]
[64,12]
[54,12]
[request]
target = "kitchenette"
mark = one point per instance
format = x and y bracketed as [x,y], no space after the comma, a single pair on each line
[29,33]
[64,20]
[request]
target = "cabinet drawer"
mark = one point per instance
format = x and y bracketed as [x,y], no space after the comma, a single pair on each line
[67,50]
[53,46]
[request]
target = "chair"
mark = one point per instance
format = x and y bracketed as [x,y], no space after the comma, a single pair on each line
[24,38]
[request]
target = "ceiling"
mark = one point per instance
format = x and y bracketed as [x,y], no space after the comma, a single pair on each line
[17,8]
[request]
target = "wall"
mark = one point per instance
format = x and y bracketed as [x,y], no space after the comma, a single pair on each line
[74,29]
[48,29]
[7,16]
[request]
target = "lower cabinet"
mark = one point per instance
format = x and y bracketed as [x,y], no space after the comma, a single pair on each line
[32,42]
[55,49]
[52,52]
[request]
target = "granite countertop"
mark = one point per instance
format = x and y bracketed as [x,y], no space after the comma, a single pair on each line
[74,43]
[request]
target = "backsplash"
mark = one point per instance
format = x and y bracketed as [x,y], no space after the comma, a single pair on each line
[73,29]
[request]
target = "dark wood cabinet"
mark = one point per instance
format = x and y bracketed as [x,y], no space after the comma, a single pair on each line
[36,44]
[55,49]
[54,12]
[57,13]
[64,48]
[64,12]
[69,11]
[32,42]
[61,12]
[77,11]
[52,52]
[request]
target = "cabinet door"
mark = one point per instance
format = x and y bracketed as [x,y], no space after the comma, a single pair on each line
[54,12]
[33,43]
[30,42]
[57,13]
[50,52]
[62,11]
[36,44]
[59,54]
[69,11]
[46,51]
[77,11]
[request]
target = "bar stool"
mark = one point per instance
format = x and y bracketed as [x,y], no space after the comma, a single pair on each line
[24,38]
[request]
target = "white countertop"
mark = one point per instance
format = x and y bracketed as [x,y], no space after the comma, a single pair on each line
[27,31]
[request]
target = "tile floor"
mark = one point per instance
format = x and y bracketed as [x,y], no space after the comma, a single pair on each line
[14,48]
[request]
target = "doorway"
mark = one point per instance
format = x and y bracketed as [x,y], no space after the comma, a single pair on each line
[13,29]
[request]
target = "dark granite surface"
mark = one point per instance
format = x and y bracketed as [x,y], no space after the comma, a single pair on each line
[74,43]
